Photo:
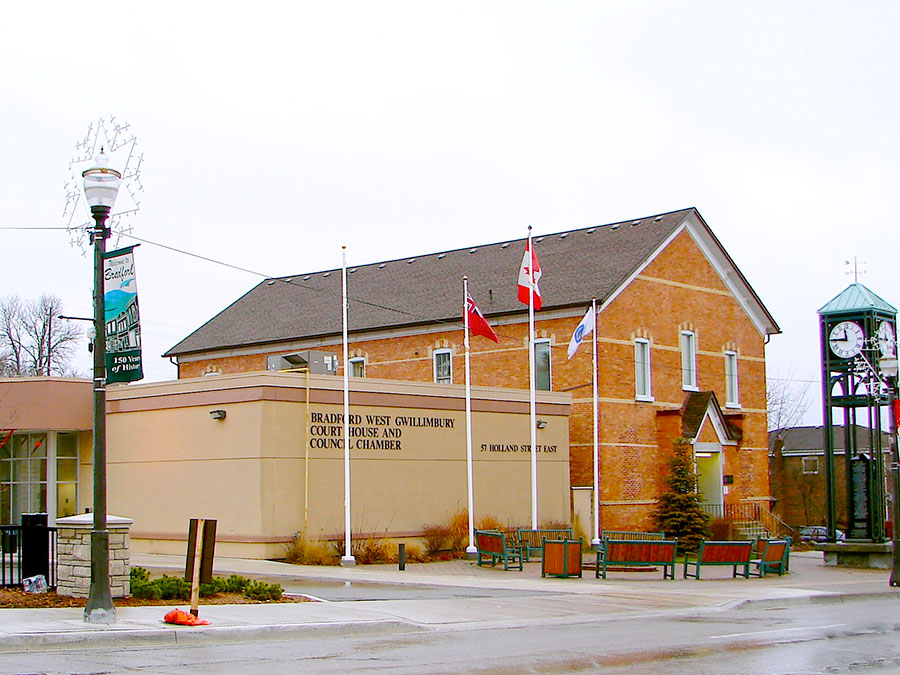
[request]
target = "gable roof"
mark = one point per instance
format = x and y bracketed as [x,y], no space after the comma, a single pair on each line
[578,265]
[854,298]
[699,405]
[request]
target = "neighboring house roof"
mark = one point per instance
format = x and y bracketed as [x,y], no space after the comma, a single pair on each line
[811,440]
[578,265]
[854,298]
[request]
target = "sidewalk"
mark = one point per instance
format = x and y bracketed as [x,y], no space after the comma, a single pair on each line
[463,601]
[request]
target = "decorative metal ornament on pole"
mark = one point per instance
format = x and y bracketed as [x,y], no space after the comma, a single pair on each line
[101,184]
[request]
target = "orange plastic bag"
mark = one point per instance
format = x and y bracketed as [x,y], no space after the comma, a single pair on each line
[184,618]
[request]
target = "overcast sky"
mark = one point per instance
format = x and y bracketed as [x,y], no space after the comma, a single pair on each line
[274,133]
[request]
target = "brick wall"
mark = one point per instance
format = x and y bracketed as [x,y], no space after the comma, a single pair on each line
[678,290]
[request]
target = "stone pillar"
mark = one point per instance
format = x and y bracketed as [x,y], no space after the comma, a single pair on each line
[73,571]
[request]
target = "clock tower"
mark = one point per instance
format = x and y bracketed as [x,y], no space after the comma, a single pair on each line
[858,331]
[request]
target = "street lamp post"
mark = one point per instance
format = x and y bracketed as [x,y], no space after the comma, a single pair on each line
[101,184]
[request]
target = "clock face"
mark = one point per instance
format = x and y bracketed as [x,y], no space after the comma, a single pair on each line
[887,342]
[846,339]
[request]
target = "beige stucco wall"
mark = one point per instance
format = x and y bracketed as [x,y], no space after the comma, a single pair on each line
[169,461]
[41,403]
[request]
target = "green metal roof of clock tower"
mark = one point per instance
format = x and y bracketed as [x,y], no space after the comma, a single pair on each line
[854,298]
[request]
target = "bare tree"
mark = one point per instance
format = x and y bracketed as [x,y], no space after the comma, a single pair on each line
[787,401]
[33,340]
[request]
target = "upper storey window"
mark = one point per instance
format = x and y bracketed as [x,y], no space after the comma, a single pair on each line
[688,360]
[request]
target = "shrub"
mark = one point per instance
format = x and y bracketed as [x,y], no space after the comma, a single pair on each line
[165,588]
[370,551]
[721,529]
[236,583]
[302,552]
[459,531]
[263,592]
[436,538]
[488,522]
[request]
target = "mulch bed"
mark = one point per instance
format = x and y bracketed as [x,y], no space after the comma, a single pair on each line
[13,598]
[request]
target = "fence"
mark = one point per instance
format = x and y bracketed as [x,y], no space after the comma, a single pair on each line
[27,550]
[750,512]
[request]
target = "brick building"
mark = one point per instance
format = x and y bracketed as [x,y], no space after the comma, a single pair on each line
[681,345]
[797,472]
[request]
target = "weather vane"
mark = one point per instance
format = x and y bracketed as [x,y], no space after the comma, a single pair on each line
[115,138]
[856,272]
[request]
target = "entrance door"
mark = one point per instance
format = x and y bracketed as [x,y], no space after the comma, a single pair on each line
[709,473]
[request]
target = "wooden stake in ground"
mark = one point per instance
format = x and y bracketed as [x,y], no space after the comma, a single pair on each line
[195,577]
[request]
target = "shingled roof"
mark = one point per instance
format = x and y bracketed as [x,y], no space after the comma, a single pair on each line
[578,265]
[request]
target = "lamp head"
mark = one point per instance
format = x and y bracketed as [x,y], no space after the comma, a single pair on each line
[101,183]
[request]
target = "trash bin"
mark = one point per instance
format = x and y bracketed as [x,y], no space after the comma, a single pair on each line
[35,556]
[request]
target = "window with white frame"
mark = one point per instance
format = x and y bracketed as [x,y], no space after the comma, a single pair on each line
[443,366]
[688,360]
[810,464]
[731,380]
[358,367]
[542,379]
[642,370]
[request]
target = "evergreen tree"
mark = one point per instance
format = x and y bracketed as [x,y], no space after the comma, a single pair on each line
[678,512]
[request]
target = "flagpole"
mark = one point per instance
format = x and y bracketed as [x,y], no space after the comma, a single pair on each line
[534,505]
[470,549]
[596,539]
[347,559]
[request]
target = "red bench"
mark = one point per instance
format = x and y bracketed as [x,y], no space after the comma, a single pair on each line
[722,553]
[492,544]
[625,553]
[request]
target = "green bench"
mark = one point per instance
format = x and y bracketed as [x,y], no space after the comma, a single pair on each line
[773,558]
[637,553]
[492,544]
[721,553]
[531,541]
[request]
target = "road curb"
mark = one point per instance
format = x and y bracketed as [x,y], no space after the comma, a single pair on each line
[819,599]
[198,635]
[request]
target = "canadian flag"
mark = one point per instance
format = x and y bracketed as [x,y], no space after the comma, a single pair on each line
[478,325]
[529,276]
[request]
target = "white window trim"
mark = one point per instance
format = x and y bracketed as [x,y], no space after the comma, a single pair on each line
[434,372]
[692,385]
[803,465]
[731,356]
[648,380]
[545,341]
[355,360]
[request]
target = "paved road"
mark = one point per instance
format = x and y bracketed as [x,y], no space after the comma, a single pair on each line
[813,638]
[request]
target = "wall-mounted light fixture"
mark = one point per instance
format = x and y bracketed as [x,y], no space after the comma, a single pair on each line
[541,424]
[217,414]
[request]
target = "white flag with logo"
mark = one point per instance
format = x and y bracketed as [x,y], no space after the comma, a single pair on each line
[582,331]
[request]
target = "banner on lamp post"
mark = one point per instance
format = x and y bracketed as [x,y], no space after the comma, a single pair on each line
[123,326]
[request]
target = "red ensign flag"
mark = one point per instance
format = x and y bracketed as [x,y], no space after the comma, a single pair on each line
[478,325]
[529,276]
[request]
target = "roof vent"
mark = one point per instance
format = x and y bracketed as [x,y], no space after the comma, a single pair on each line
[327,274]
[306,278]
[270,282]
[353,270]
[564,235]
[658,218]
[472,250]
[616,226]
[504,245]
[289,280]
[410,261]
[592,230]
[539,239]
[442,256]
[636,222]
[382,266]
